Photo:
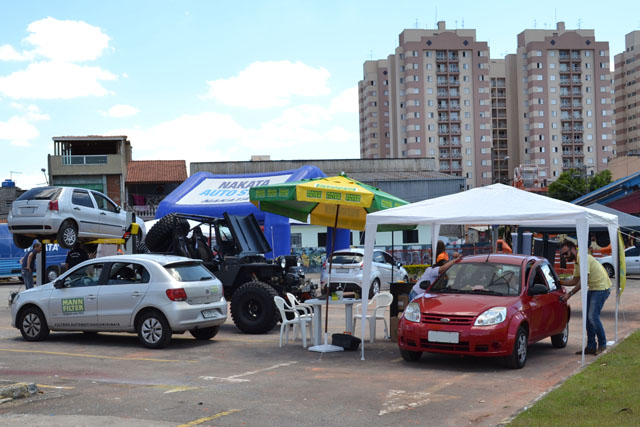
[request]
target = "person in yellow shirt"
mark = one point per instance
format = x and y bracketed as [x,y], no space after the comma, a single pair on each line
[598,291]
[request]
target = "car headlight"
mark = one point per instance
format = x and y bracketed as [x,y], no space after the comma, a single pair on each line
[283,262]
[412,312]
[493,316]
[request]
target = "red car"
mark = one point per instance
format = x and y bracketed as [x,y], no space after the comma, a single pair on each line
[487,305]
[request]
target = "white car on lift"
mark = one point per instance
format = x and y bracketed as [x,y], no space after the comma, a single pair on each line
[348,265]
[66,214]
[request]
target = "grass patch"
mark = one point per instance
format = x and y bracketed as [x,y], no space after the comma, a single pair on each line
[606,393]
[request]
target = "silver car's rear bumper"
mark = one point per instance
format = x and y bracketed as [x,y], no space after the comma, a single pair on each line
[183,316]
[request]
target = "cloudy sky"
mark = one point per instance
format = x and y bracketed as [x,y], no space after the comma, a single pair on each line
[218,80]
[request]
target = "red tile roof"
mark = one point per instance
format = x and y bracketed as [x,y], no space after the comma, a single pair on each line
[148,171]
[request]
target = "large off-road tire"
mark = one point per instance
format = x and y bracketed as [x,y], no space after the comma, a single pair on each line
[253,309]
[160,236]
[67,235]
[410,356]
[518,356]
[23,242]
[560,340]
[205,333]
[33,325]
[153,329]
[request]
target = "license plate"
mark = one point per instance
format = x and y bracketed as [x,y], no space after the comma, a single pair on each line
[27,211]
[448,337]
[207,314]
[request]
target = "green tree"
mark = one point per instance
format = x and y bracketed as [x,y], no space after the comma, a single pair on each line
[574,183]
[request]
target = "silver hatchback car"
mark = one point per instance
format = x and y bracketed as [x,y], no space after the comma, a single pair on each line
[148,294]
[66,214]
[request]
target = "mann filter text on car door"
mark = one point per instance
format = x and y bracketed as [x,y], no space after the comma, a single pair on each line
[10,256]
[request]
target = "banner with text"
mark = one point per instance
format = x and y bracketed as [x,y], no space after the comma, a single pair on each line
[217,191]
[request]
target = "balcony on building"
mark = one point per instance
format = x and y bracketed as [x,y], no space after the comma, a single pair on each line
[443,117]
[150,181]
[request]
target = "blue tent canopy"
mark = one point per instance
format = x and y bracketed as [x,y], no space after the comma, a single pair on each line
[204,193]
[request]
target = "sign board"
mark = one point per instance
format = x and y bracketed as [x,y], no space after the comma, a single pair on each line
[216,191]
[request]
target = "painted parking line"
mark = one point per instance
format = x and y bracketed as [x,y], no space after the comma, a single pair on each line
[212,417]
[56,387]
[238,378]
[96,356]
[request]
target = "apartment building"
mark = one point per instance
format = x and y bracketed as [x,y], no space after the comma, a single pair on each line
[548,106]
[431,98]
[627,90]
[564,101]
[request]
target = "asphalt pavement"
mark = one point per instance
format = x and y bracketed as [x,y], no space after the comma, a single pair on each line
[238,379]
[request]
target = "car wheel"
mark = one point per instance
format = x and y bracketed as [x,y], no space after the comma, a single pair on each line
[205,333]
[560,340]
[52,273]
[160,236]
[410,356]
[33,325]
[253,309]
[23,242]
[374,288]
[518,356]
[609,268]
[67,235]
[153,330]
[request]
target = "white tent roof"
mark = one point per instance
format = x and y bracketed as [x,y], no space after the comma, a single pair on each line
[494,204]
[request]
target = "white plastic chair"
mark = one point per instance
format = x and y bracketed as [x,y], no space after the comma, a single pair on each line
[304,310]
[380,301]
[297,320]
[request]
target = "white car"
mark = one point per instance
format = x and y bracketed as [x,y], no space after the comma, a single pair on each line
[632,258]
[151,295]
[67,214]
[348,265]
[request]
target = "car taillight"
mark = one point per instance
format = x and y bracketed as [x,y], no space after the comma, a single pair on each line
[53,205]
[324,265]
[362,265]
[177,294]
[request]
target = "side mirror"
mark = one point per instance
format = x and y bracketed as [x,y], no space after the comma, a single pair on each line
[398,264]
[425,284]
[58,284]
[538,289]
[118,209]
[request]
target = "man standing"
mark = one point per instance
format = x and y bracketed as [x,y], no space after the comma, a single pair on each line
[75,256]
[431,274]
[29,265]
[599,289]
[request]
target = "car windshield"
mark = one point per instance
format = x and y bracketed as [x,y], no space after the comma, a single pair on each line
[41,193]
[189,272]
[483,278]
[347,258]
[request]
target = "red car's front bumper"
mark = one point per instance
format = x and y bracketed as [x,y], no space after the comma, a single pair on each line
[484,341]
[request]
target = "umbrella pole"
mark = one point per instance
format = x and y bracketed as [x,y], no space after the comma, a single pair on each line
[326,347]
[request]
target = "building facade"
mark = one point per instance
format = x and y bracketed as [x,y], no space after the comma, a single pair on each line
[431,98]
[627,90]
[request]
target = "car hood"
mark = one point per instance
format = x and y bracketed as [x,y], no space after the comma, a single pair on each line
[461,304]
[35,289]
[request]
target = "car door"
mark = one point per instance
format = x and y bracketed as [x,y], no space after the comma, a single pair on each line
[125,287]
[113,220]
[84,211]
[632,259]
[557,310]
[543,308]
[74,306]
[383,268]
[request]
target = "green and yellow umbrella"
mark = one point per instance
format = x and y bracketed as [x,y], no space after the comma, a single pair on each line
[336,201]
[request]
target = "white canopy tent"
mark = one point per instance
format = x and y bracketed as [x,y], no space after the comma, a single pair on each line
[496,204]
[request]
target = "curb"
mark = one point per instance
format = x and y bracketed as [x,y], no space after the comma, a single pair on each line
[11,391]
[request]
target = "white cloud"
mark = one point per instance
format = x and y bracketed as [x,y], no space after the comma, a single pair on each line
[270,84]
[55,80]
[346,102]
[18,131]
[8,53]
[67,41]
[122,110]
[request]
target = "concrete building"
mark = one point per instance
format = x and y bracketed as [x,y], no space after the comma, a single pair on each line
[627,90]
[8,193]
[431,98]
[564,101]
[410,179]
[94,162]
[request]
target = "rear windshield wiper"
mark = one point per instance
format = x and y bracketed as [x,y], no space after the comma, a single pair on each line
[205,278]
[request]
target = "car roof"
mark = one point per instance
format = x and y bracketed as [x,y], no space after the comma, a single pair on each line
[511,259]
[161,259]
